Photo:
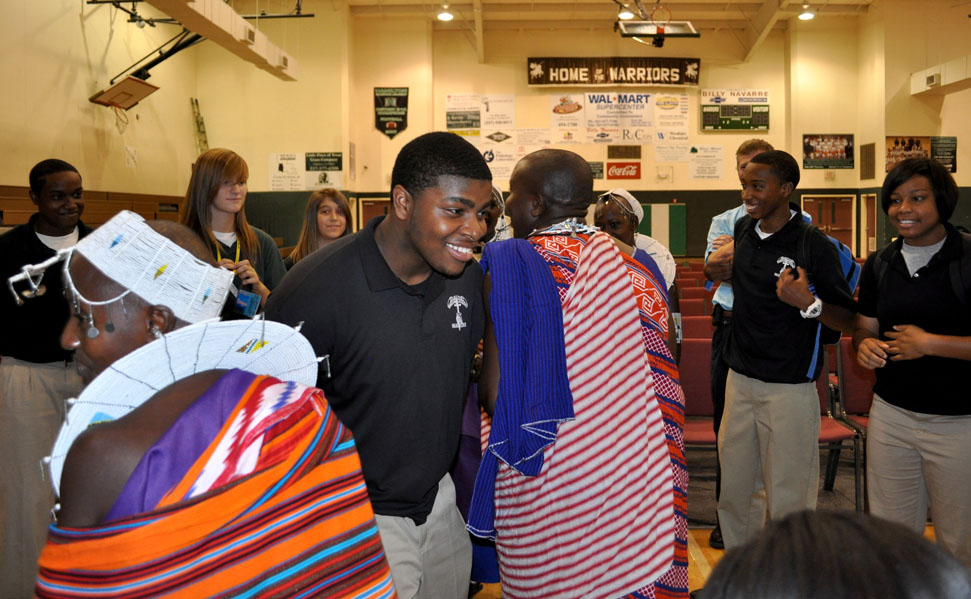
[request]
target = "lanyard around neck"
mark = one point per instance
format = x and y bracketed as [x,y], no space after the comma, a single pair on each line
[219,255]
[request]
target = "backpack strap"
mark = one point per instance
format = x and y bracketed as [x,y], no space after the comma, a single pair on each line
[881,262]
[960,270]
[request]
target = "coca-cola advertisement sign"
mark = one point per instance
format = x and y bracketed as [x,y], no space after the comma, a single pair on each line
[623,170]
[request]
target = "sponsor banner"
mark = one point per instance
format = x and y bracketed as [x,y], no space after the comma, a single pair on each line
[705,163]
[734,109]
[613,71]
[671,117]
[567,120]
[299,171]
[829,151]
[391,110]
[598,170]
[619,117]
[623,170]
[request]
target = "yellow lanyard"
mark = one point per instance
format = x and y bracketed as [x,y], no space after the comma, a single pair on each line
[219,255]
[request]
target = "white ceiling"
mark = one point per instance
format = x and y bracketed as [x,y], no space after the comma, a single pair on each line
[589,14]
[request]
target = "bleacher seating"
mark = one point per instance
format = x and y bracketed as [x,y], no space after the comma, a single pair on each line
[99,206]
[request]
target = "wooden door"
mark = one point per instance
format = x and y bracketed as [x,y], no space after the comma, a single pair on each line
[834,215]
[371,208]
[869,204]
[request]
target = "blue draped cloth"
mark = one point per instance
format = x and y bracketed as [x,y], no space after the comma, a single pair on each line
[534,390]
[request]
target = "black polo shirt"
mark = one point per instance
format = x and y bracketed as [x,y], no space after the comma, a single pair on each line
[32,331]
[771,341]
[399,361]
[931,385]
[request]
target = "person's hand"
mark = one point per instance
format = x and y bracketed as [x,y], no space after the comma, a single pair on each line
[907,342]
[794,291]
[872,353]
[227,264]
[721,240]
[719,265]
[246,273]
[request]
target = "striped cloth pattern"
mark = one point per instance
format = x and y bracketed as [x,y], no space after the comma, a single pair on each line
[299,524]
[598,521]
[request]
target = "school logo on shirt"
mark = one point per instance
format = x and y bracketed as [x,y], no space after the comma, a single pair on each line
[458,302]
[786,263]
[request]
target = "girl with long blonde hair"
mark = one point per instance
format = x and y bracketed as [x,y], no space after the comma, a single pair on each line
[214,209]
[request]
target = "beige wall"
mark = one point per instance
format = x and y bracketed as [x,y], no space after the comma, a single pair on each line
[388,54]
[57,53]
[830,75]
[256,114]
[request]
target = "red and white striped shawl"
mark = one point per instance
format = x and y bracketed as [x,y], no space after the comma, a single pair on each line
[599,519]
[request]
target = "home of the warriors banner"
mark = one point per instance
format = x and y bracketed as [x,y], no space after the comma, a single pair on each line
[613,70]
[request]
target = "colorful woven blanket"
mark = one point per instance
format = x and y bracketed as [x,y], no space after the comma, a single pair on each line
[274,506]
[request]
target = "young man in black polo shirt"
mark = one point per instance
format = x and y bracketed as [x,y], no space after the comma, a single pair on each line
[36,374]
[397,309]
[769,433]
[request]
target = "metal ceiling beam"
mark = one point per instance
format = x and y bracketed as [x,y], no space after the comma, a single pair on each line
[761,24]
[479,35]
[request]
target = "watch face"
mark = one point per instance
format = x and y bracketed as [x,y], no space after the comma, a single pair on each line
[814,309]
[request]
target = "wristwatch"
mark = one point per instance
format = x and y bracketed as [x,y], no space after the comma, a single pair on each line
[813,310]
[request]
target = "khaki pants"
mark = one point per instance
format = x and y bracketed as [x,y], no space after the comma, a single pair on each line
[434,560]
[768,441]
[914,459]
[31,413]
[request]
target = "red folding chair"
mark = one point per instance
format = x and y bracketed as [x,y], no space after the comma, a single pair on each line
[694,307]
[697,327]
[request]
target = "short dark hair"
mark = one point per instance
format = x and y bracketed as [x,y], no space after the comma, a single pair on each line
[783,165]
[837,554]
[39,173]
[561,176]
[753,145]
[426,158]
[942,183]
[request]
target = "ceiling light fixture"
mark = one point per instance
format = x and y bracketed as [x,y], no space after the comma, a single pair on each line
[806,14]
[624,13]
[445,15]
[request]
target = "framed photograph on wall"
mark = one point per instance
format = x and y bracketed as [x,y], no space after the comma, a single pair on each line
[827,151]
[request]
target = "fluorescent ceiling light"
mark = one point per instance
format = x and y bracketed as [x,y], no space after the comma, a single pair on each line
[445,15]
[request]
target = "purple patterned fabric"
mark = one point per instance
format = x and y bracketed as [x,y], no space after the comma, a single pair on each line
[170,458]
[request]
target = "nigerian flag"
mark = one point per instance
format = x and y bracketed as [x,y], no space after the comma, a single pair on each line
[666,223]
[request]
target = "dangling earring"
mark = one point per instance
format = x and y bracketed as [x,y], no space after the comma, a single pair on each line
[92,331]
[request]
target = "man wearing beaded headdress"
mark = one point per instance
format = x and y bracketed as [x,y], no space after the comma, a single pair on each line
[186,474]
[585,465]
[36,374]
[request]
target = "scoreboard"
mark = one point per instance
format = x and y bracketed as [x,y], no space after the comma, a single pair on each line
[735,117]
[734,109]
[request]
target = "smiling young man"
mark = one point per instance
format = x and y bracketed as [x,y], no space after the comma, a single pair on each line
[397,309]
[769,431]
[719,235]
[35,372]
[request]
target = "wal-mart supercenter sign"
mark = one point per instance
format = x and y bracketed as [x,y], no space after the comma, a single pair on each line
[613,71]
